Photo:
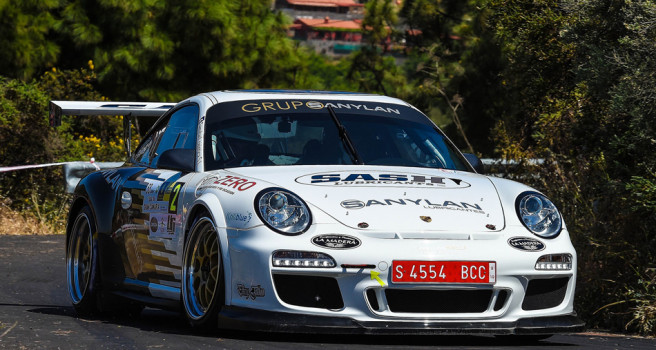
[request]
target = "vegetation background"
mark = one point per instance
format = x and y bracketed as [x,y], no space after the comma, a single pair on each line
[570,81]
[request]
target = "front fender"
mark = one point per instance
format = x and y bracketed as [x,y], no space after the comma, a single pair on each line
[95,191]
[213,206]
[100,190]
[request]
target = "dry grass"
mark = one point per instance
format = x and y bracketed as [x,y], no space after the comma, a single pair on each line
[13,222]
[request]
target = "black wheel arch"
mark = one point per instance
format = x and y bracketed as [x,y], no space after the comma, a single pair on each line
[95,192]
[79,202]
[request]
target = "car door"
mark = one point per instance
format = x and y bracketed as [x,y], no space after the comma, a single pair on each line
[152,220]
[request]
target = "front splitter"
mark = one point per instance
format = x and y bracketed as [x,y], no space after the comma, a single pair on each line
[257,320]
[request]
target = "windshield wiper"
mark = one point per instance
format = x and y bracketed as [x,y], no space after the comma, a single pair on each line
[343,135]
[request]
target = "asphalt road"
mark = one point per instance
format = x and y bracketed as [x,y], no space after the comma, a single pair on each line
[35,313]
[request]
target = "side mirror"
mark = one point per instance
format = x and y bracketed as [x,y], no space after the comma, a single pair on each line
[475,162]
[177,159]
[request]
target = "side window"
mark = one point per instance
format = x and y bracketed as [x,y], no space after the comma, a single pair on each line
[180,132]
[143,152]
[146,149]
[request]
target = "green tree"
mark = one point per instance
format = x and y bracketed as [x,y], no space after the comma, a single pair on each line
[579,86]
[26,37]
[369,68]
[617,62]
[168,50]
[154,50]
[455,68]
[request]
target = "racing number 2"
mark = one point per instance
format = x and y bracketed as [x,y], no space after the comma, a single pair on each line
[173,202]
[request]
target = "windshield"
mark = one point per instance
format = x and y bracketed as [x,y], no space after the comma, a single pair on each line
[313,138]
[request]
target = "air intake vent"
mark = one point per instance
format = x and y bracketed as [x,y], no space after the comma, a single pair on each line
[309,291]
[545,293]
[501,300]
[438,301]
[373,301]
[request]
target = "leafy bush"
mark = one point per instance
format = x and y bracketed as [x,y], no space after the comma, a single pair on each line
[580,96]
[27,139]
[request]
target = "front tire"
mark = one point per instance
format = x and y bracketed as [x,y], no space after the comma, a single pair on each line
[202,275]
[82,264]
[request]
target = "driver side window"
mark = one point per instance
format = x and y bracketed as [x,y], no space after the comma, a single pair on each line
[180,132]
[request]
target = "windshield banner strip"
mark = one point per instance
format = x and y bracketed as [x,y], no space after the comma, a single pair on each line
[235,109]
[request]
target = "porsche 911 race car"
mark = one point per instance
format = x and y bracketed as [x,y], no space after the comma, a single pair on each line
[314,212]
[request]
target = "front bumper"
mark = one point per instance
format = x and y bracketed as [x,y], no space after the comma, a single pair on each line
[239,318]
[523,300]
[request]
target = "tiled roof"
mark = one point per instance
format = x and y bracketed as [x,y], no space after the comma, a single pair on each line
[320,23]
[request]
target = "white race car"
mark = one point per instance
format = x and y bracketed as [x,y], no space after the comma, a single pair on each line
[314,212]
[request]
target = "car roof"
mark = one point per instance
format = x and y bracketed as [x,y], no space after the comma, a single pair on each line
[239,95]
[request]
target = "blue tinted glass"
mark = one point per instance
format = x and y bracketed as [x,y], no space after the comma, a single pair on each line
[294,139]
[180,131]
[389,141]
[312,139]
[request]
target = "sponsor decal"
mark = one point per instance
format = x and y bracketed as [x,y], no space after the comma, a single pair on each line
[154,207]
[373,178]
[526,244]
[425,203]
[226,184]
[133,227]
[211,182]
[281,105]
[352,204]
[162,191]
[199,139]
[153,224]
[251,292]
[336,241]
[113,178]
[239,218]
[163,225]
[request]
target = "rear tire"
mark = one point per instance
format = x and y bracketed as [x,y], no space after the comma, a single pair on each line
[82,275]
[203,291]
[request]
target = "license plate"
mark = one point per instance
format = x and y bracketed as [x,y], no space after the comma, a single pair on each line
[413,271]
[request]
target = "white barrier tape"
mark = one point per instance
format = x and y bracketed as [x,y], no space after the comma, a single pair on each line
[21,167]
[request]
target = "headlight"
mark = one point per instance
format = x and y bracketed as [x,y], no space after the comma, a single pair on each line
[282,211]
[538,214]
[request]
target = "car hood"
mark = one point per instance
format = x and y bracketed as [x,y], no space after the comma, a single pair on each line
[395,199]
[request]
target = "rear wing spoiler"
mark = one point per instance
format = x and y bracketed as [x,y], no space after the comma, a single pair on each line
[125,109]
[134,109]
